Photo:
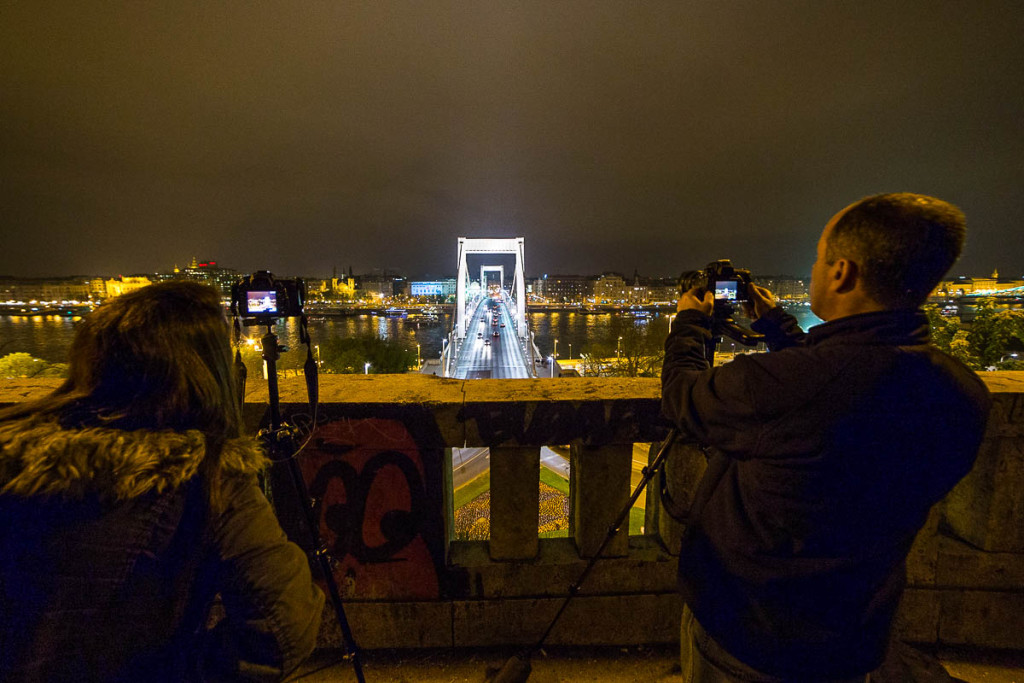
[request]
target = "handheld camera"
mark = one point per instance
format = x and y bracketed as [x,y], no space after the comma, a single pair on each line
[263,297]
[731,286]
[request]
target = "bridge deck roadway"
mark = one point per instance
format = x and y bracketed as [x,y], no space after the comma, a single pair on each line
[484,354]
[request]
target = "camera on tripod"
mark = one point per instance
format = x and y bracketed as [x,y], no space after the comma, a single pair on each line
[262,297]
[730,285]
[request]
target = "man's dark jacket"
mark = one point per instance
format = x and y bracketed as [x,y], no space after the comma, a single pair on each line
[830,451]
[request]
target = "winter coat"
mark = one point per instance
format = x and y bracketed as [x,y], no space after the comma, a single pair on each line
[830,451]
[110,558]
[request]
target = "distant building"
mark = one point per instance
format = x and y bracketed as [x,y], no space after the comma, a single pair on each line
[50,290]
[97,289]
[785,286]
[123,285]
[564,289]
[343,288]
[380,285]
[210,273]
[962,286]
[611,288]
[656,289]
[433,288]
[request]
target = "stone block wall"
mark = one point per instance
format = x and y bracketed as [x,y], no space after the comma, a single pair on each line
[379,469]
[966,570]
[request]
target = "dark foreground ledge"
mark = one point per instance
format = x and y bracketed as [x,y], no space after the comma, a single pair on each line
[379,465]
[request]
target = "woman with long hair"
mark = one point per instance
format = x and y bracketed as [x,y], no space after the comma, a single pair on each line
[128,502]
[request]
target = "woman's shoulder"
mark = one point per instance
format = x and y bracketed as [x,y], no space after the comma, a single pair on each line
[242,456]
[39,456]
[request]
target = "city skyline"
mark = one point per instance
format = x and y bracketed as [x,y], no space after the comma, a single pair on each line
[612,137]
[343,272]
[608,287]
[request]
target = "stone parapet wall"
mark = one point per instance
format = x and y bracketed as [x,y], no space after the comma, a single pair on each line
[966,570]
[987,508]
[503,590]
[379,467]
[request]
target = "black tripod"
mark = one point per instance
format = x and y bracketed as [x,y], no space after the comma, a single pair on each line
[517,668]
[280,445]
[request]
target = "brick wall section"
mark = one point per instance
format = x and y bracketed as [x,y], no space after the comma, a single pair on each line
[965,573]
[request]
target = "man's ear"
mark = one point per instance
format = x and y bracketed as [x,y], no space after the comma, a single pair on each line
[844,276]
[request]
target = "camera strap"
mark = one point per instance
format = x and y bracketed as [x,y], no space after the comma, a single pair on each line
[675,510]
[717,465]
[241,372]
[309,369]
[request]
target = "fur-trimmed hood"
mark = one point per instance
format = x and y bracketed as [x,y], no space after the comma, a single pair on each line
[38,457]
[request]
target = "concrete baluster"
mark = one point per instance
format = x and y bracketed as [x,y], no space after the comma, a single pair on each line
[515,500]
[598,489]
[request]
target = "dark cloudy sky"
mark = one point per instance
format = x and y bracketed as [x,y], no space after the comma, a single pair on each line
[298,136]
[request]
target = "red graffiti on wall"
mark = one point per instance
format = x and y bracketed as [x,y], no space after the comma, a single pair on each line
[367,478]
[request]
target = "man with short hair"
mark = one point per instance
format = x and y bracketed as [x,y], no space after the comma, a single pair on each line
[829,452]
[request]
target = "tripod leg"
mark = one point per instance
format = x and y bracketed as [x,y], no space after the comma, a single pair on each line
[323,558]
[648,474]
[270,351]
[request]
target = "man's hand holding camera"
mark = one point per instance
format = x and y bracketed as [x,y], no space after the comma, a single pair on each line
[759,301]
[696,299]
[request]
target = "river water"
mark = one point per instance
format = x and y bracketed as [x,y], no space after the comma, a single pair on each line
[49,337]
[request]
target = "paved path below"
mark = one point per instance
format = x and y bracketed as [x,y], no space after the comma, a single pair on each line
[657,664]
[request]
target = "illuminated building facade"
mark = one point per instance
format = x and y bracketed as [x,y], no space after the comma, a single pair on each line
[123,285]
[565,289]
[55,290]
[435,288]
[963,286]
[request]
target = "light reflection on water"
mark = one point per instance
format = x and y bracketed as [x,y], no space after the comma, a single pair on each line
[49,337]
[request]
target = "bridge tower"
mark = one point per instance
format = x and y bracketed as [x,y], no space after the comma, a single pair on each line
[509,245]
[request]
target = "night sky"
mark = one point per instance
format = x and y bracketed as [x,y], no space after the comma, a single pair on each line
[302,136]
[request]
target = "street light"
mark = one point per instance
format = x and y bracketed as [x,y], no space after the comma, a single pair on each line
[317,347]
[551,362]
[366,368]
[570,350]
[556,348]
[618,349]
[418,363]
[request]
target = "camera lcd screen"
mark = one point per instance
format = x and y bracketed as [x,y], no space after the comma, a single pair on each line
[726,289]
[261,301]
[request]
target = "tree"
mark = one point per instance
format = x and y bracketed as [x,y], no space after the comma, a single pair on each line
[949,335]
[348,355]
[991,341]
[995,334]
[590,365]
[21,364]
[630,348]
